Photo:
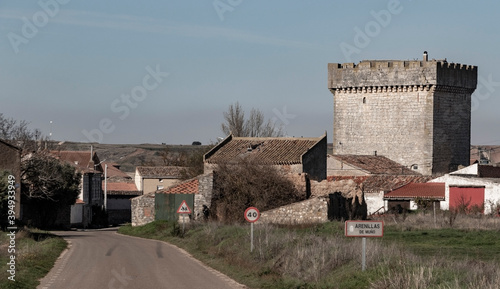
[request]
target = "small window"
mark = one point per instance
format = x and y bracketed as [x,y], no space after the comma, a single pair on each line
[414,167]
[364,99]
[159,187]
[160,180]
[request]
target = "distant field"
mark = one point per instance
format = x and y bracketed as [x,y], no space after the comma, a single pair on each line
[131,155]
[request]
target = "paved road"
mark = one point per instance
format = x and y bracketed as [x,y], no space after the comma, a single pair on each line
[104,259]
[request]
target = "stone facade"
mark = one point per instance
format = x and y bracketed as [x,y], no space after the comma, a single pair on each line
[204,195]
[143,209]
[416,113]
[311,211]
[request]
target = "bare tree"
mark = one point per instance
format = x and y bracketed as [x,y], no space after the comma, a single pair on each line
[19,134]
[247,183]
[235,120]
[254,126]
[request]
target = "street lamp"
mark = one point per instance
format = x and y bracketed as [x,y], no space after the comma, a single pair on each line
[105,183]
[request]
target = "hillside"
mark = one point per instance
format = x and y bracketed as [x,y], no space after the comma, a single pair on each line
[128,156]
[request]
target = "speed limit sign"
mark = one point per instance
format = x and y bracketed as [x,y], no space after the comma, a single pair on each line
[252,214]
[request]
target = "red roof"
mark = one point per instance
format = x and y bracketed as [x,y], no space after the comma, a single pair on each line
[79,159]
[114,172]
[418,190]
[186,187]
[121,188]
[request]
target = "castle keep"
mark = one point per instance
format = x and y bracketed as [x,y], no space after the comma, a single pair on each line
[417,113]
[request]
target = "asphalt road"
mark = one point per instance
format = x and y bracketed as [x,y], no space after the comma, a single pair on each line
[105,259]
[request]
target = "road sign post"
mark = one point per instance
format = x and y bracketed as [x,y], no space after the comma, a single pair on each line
[252,214]
[183,209]
[364,229]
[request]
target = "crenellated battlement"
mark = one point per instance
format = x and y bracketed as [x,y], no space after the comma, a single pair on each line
[387,73]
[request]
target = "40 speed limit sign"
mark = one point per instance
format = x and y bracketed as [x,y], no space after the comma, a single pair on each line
[252,214]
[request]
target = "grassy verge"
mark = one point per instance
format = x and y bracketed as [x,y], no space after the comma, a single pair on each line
[319,256]
[35,254]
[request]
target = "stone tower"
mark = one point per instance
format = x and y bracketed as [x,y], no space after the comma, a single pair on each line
[417,113]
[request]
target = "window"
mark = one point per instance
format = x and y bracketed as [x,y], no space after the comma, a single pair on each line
[159,187]
[364,99]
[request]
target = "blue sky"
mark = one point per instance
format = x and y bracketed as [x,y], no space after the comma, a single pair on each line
[187,61]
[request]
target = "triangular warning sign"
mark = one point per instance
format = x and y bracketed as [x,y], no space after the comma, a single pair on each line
[184,208]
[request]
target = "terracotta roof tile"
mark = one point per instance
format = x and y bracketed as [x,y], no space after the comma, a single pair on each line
[160,171]
[114,172]
[123,188]
[79,159]
[377,183]
[186,187]
[273,151]
[418,190]
[375,164]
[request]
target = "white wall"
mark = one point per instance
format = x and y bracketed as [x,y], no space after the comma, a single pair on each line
[375,201]
[491,191]
[138,180]
[470,170]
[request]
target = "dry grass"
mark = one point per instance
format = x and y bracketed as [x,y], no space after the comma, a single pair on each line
[442,220]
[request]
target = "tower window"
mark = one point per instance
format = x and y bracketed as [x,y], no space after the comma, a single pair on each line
[364,99]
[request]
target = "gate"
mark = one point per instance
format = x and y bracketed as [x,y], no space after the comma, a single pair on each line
[166,205]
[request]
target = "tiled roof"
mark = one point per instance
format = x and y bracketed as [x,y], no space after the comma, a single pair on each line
[272,151]
[186,187]
[79,159]
[122,188]
[485,171]
[114,172]
[375,164]
[418,190]
[160,172]
[379,183]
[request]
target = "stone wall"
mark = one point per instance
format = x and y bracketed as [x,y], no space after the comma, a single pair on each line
[143,209]
[314,210]
[413,112]
[204,196]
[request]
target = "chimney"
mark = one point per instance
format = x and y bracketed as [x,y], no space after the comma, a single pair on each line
[425,56]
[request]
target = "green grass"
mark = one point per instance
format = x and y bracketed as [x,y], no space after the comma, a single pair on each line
[320,256]
[36,253]
[456,244]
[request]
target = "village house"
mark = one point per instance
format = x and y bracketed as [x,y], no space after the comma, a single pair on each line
[91,199]
[289,154]
[151,179]
[10,161]
[118,204]
[163,204]
[118,188]
[415,196]
[476,187]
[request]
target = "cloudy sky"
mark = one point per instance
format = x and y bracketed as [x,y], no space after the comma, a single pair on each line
[120,71]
